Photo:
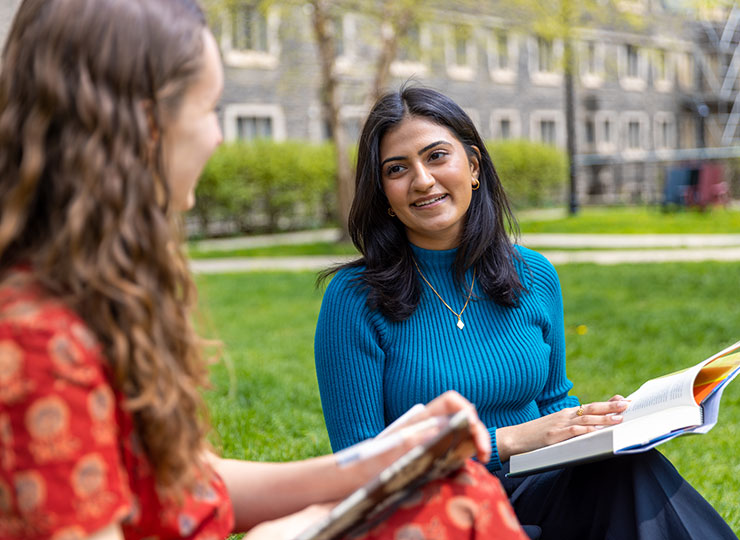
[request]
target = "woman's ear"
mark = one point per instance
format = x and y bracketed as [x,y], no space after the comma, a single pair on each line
[474,161]
[151,121]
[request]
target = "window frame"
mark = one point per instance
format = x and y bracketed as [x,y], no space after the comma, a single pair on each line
[252,58]
[233,111]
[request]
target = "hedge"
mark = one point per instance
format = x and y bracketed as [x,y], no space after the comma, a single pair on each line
[265,186]
[533,174]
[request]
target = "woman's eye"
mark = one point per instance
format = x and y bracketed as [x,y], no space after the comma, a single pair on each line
[393,169]
[436,155]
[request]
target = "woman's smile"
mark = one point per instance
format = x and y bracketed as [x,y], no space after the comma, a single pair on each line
[427,178]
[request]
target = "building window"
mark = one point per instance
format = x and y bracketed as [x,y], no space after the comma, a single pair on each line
[249,36]
[545,55]
[460,52]
[633,135]
[591,64]
[344,31]
[632,61]
[353,118]
[663,72]
[661,64]
[503,55]
[590,132]
[635,126]
[547,127]
[505,128]
[409,48]
[605,123]
[249,29]
[410,60]
[547,131]
[686,69]
[505,124]
[665,131]
[253,127]
[461,38]
[590,58]
[544,59]
[632,67]
[502,50]
[253,121]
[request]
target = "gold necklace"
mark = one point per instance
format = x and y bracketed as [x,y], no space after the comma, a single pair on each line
[460,324]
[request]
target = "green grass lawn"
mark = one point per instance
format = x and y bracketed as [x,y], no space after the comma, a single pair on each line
[641,321]
[289,250]
[636,220]
[620,220]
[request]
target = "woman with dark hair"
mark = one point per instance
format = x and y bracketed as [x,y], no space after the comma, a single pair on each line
[107,117]
[441,299]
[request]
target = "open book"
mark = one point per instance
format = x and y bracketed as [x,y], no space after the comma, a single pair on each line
[661,409]
[373,502]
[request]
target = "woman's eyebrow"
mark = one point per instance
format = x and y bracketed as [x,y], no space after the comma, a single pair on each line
[420,152]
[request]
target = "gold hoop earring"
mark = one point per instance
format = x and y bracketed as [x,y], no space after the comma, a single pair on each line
[476,184]
[391,212]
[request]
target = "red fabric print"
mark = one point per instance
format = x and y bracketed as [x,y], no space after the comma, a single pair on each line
[472,505]
[70,464]
[100,404]
[47,421]
[12,384]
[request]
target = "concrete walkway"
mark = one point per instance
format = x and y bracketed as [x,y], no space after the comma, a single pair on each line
[596,248]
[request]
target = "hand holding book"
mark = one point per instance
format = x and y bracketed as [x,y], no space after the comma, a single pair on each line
[676,404]
[559,426]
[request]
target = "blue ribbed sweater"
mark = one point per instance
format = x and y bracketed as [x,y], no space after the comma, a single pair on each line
[510,362]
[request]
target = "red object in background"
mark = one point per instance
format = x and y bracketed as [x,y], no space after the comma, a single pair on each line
[710,189]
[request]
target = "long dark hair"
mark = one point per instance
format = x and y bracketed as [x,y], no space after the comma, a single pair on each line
[84,197]
[389,273]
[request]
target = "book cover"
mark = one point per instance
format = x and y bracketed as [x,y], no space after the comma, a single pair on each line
[376,500]
[662,409]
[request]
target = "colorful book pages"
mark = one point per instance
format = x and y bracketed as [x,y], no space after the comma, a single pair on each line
[713,374]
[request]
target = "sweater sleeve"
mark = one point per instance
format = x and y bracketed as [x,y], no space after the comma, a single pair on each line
[349,363]
[546,286]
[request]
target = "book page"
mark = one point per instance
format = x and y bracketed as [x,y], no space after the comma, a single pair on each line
[713,374]
[667,391]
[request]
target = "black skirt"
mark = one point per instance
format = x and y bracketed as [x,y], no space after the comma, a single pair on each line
[639,496]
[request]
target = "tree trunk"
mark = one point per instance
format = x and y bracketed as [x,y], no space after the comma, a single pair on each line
[570,127]
[397,27]
[331,103]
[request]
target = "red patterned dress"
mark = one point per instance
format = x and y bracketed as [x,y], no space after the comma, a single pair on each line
[70,463]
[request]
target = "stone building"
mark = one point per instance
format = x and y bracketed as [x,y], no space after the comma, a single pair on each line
[645,98]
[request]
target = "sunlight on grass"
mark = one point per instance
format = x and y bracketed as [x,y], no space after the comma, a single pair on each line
[290,250]
[636,220]
[624,324]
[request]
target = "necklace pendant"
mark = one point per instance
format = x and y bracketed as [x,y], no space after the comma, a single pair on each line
[460,324]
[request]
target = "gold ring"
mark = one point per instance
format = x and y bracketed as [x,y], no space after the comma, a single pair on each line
[579,412]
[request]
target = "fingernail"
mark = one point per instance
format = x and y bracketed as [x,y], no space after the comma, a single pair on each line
[616,418]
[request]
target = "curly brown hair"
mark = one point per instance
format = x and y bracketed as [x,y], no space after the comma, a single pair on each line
[85,88]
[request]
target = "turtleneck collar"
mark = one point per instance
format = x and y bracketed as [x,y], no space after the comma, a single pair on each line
[431,258]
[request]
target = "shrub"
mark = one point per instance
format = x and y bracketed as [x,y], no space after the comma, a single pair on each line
[266,186]
[533,174]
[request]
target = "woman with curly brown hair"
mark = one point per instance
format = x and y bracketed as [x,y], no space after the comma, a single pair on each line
[106,121]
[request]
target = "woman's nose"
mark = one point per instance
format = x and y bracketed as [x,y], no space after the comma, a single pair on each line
[423,179]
